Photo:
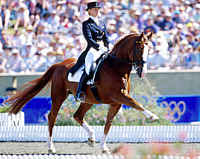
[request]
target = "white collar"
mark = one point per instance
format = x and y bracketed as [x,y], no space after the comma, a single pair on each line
[96,20]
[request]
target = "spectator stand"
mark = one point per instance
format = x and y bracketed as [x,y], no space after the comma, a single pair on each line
[34,26]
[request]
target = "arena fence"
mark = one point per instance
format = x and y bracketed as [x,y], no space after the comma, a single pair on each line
[61,156]
[131,134]
[91,157]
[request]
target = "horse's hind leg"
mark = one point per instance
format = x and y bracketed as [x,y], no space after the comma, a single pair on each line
[126,99]
[58,95]
[79,115]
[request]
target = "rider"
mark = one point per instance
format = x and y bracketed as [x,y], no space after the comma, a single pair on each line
[94,32]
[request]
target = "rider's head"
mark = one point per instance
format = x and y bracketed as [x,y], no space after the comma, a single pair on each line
[93,8]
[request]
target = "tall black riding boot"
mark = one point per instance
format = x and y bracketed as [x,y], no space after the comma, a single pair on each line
[83,80]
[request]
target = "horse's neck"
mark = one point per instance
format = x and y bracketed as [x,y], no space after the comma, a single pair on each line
[120,65]
[120,56]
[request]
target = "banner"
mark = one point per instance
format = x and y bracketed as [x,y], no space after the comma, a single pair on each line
[36,110]
[181,109]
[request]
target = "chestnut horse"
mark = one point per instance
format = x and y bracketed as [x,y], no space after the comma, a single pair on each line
[113,86]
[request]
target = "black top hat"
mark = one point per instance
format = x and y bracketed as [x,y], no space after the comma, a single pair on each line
[93,5]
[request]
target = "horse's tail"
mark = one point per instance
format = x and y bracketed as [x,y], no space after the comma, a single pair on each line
[31,89]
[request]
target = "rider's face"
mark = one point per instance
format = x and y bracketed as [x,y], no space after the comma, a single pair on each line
[93,12]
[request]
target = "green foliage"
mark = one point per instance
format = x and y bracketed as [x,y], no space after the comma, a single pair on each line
[4,109]
[142,91]
[97,116]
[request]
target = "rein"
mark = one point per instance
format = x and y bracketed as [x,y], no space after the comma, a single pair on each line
[120,60]
[135,62]
[129,62]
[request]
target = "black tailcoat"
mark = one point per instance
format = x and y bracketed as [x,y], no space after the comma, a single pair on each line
[92,33]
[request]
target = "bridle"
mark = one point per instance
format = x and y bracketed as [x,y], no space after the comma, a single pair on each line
[138,45]
[133,62]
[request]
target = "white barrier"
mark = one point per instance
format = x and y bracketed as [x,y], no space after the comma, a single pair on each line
[12,120]
[132,134]
[35,156]
[61,157]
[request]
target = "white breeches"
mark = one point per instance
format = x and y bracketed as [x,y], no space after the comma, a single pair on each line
[92,56]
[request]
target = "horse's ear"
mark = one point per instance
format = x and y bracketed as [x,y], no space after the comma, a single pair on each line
[149,36]
[142,35]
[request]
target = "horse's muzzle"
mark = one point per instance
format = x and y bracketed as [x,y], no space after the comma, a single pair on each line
[139,71]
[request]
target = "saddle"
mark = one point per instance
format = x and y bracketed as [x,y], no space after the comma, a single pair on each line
[93,74]
[93,77]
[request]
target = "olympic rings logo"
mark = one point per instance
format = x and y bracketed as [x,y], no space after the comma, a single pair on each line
[175,109]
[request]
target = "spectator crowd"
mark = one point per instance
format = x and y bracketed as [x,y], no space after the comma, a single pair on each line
[34,34]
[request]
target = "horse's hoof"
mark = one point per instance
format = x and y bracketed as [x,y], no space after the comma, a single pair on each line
[91,142]
[153,118]
[106,151]
[51,151]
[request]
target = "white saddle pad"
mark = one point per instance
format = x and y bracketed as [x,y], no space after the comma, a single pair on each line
[77,76]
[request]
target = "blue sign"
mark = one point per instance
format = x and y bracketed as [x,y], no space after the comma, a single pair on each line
[36,110]
[181,109]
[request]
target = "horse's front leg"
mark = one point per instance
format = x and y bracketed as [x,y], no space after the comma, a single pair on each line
[79,115]
[126,99]
[114,108]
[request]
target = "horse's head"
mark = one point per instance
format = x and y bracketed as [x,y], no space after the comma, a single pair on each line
[140,50]
[132,49]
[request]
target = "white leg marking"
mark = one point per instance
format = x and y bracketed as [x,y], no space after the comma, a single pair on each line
[89,130]
[51,148]
[103,144]
[150,115]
